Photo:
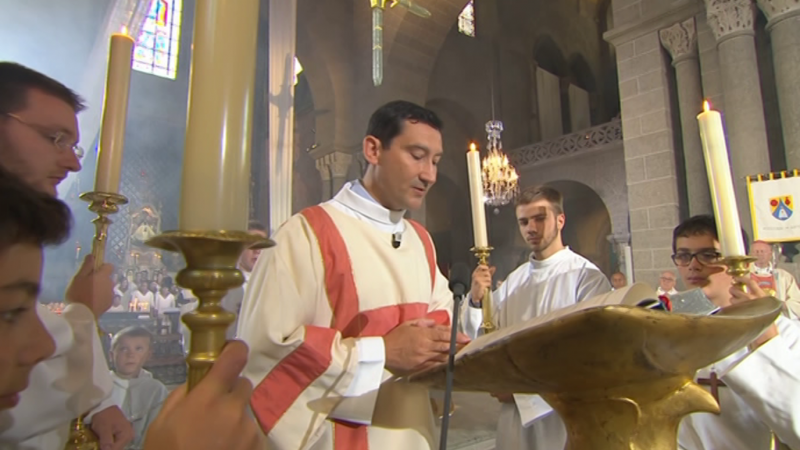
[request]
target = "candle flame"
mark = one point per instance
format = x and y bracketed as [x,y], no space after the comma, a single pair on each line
[124,30]
[706,106]
[473,147]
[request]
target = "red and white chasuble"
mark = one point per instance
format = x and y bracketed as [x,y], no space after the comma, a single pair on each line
[331,280]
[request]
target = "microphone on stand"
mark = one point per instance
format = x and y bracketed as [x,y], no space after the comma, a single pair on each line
[460,277]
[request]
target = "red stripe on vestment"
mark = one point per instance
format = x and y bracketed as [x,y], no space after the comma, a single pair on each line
[285,382]
[429,252]
[349,436]
[339,282]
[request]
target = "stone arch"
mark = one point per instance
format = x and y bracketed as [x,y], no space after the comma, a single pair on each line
[320,85]
[549,57]
[580,73]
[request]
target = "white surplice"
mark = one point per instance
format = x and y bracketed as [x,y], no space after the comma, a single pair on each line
[762,393]
[533,289]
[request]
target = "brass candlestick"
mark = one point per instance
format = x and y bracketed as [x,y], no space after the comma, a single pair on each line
[103,204]
[482,253]
[211,258]
[738,266]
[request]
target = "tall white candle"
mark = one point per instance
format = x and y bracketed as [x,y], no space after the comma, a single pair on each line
[115,113]
[720,180]
[215,187]
[477,197]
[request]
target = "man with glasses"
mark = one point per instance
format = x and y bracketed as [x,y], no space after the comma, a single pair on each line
[666,283]
[758,387]
[38,144]
[774,280]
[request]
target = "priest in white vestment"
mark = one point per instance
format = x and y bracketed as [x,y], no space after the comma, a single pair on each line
[759,385]
[555,277]
[349,296]
[775,280]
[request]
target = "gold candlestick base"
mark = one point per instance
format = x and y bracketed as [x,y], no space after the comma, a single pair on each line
[738,266]
[103,204]
[81,437]
[211,258]
[482,253]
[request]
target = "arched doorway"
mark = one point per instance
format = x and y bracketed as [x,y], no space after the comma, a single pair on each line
[588,223]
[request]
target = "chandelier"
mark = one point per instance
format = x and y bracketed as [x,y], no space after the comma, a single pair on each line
[499,176]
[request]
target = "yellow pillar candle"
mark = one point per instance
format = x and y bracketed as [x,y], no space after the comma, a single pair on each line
[115,113]
[215,188]
[476,196]
[723,196]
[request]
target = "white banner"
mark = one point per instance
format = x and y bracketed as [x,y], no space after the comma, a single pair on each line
[772,205]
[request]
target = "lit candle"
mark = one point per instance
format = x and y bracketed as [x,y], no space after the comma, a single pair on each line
[720,180]
[215,188]
[115,112]
[476,196]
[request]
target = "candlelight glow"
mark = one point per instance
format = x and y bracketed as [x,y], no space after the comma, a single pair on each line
[124,30]
[473,147]
[706,106]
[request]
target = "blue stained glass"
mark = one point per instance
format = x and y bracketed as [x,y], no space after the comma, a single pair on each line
[157,46]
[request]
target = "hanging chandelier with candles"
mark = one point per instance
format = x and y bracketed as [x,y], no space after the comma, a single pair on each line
[500,179]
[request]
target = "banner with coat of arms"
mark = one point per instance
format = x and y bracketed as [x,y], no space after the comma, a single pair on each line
[772,207]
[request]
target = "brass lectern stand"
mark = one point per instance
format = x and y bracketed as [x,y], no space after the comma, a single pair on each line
[621,377]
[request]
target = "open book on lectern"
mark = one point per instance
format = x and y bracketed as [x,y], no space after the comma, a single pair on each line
[638,294]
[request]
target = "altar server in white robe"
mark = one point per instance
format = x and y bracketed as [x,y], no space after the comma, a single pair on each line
[38,137]
[555,277]
[760,384]
[350,295]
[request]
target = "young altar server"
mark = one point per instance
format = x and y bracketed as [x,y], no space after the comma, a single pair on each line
[135,389]
[759,385]
[38,137]
[555,277]
[350,295]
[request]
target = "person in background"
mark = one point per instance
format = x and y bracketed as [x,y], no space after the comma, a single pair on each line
[141,299]
[116,305]
[666,283]
[759,392]
[774,280]
[135,389]
[618,280]
[554,277]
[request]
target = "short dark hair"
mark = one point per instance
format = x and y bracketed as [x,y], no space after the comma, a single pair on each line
[255,225]
[387,122]
[533,194]
[703,224]
[16,80]
[29,216]
[132,331]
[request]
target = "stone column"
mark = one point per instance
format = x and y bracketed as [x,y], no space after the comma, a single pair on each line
[732,24]
[784,27]
[680,40]
[325,174]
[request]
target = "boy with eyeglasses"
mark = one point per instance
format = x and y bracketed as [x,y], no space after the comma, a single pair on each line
[759,385]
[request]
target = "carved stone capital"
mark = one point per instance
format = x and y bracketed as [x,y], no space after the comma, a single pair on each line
[778,9]
[334,165]
[729,17]
[680,40]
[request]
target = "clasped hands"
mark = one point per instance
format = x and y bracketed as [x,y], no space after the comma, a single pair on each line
[419,344]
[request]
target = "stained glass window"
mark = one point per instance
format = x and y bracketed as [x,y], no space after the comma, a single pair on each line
[157,48]
[466,20]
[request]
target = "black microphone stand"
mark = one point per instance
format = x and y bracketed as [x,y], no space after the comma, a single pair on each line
[448,390]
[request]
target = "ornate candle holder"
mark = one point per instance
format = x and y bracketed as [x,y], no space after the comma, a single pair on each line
[103,204]
[482,253]
[211,258]
[738,266]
